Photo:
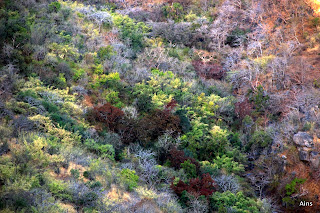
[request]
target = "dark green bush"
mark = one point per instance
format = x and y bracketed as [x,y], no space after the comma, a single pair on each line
[50,107]
[132,31]
[106,52]
[315,21]
[259,140]
[259,98]
[103,150]
[221,202]
[54,7]
[75,173]
[96,184]
[189,168]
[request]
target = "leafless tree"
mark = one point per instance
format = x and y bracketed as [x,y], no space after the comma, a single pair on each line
[101,18]
[198,205]
[227,183]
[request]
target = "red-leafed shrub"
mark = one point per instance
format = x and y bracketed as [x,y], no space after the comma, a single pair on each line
[177,157]
[171,105]
[208,70]
[109,115]
[243,108]
[128,130]
[145,130]
[156,124]
[197,187]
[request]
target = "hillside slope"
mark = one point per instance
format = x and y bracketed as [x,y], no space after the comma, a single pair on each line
[159,106]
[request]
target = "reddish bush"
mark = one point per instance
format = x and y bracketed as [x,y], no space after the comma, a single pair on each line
[148,128]
[208,70]
[177,157]
[127,129]
[156,124]
[171,105]
[109,115]
[243,108]
[197,187]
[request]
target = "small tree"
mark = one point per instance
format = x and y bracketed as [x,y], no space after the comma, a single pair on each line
[129,178]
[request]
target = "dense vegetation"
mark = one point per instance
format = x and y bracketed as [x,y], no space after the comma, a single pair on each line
[158,106]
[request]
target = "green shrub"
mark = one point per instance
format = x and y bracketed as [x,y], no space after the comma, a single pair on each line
[129,178]
[50,107]
[78,74]
[112,80]
[75,173]
[98,69]
[95,184]
[259,140]
[130,30]
[236,37]
[316,83]
[174,11]
[27,93]
[207,167]
[291,188]
[59,189]
[61,81]
[112,97]
[259,98]
[63,120]
[54,7]
[106,52]
[228,164]
[315,21]
[221,202]
[189,168]
[103,150]
[87,174]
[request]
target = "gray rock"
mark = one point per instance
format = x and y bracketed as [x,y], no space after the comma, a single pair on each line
[303,139]
[304,155]
[314,159]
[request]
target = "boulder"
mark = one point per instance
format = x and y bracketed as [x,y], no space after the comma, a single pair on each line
[314,159]
[303,139]
[304,155]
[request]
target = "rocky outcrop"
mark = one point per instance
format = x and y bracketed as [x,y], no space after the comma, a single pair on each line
[305,145]
[303,139]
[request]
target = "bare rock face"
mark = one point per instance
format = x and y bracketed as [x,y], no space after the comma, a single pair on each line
[304,142]
[303,139]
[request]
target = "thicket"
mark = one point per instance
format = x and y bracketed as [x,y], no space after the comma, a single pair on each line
[98,109]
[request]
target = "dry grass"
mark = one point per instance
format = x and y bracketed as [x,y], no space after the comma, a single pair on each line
[68,207]
[66,173]
[115,194]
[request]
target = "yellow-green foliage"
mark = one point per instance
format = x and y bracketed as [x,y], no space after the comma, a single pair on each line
[64,51]
[264,61]
[228,164]
[159,100]
[206,105]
